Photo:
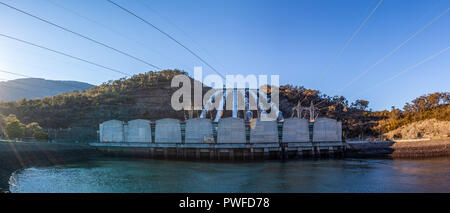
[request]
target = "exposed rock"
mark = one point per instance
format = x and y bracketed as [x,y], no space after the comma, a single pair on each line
[421,129]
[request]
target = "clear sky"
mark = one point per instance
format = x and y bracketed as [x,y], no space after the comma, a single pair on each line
[295,39]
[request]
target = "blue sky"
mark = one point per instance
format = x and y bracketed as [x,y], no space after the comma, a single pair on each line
[295,39]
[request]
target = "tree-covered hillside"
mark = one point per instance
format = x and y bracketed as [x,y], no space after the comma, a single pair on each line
[141,96]
[148,96]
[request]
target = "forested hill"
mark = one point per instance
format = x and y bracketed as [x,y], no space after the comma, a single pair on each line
[141,96]
[148,96]
[31,88]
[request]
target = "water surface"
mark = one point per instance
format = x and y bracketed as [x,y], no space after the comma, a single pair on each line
[324,175]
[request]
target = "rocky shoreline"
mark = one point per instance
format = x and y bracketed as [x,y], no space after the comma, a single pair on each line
[404,149]
[20,155]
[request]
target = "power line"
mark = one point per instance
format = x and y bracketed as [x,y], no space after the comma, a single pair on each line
[408,69]
[402,72]
[81,35]
[393,51]
[141,44]
[179,29]
[167,35]
[12,73]
[349,41]
[64,54]
[39,67]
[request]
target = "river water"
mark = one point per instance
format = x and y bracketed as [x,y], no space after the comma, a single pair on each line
[324,175]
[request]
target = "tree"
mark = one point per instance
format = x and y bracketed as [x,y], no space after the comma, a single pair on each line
[2,125]
[361,104]
[14,129]
[32,128]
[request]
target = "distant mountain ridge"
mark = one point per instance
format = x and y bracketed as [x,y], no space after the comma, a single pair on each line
[31,88]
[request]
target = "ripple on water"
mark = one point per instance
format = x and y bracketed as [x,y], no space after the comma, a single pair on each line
[327,175]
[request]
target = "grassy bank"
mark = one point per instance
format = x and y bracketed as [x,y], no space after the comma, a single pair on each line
[20,155]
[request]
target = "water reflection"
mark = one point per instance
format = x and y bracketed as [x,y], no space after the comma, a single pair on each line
[333,175]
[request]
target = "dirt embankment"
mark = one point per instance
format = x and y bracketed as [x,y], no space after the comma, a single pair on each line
[406,149]
[421,129]
[14,156]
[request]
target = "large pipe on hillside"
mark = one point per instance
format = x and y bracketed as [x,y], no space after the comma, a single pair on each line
[247,103]
[205,109]
[235,103]
[220,109]
[272,106]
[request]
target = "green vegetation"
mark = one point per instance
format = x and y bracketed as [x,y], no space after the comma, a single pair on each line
[31,128]
[141,96]
[40,135]
[34,130]
[14,128]
[2,124]
[148,95]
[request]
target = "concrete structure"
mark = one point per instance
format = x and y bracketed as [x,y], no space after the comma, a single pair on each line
[138,131]
[231,130]
[168,130]
[199,130]
[263,131]
[134,139]
[327,130]
[222,151]
[112,131]
[295,130]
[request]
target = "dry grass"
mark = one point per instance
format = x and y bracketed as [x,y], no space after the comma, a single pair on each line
[421,129]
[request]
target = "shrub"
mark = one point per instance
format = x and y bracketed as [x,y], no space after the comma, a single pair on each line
[40,135]
[31,129]
[2,125]
[14,129]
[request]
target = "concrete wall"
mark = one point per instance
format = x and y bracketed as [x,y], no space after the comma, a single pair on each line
[199,130]
[295,130]
[263,131]
[168,131]
[231,130]
[326,129]
[112,131]
[138,131]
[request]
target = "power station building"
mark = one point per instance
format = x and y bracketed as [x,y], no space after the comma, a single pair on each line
[227,130]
